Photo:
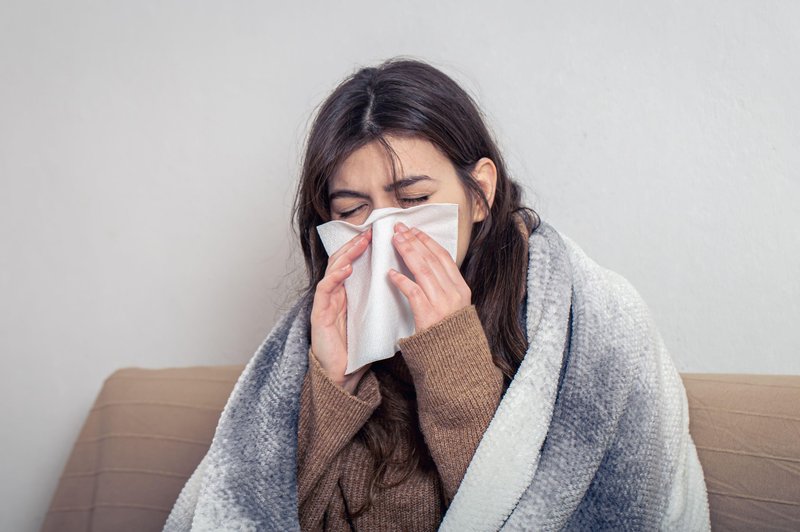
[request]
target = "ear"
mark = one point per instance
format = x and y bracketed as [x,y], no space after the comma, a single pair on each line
[485,174]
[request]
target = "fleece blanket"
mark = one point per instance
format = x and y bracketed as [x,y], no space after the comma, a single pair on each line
[592,433]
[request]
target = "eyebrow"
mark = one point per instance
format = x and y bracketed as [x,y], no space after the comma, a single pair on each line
[400,183]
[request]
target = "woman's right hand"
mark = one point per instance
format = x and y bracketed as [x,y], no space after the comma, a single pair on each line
[329,314]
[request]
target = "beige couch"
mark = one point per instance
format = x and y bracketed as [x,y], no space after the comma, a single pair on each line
[148,429]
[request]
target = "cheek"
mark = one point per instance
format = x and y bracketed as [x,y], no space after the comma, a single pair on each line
[464,235]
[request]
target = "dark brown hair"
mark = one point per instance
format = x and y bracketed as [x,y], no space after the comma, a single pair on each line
[407,97]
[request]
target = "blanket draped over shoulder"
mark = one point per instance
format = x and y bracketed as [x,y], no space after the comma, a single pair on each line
[592,433]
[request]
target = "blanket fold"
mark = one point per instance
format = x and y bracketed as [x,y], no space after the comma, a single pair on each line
[592,433]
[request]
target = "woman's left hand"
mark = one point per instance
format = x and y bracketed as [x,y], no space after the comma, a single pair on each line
[439,290]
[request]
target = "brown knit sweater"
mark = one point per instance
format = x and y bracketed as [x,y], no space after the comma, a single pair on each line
[458,388]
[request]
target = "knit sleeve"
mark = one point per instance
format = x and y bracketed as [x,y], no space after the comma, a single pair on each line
[458,390]
[330,417]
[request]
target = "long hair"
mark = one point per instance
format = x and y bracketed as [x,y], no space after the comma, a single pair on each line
[406,97]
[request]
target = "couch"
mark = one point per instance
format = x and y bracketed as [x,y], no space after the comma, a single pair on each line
[149,428]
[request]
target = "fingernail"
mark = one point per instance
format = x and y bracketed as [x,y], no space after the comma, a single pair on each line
[402,226]
[400,237]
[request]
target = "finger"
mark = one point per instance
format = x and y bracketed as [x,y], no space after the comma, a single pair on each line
[437,262]
[350,251]
[333,280]
[445,259]
[423,264]
[420,306]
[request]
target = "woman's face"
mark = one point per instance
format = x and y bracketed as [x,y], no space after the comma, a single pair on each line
[363,183]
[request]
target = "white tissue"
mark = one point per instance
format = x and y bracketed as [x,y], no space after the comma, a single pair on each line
[378,314]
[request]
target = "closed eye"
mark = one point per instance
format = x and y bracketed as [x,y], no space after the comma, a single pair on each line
[418,199]
[350,213]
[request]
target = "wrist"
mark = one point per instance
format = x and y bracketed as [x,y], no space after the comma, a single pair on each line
[349,383]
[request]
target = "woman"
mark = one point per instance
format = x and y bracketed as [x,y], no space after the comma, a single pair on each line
[534,393]
[381,120]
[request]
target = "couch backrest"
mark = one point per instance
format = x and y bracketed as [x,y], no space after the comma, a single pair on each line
[149,429]
[747,432]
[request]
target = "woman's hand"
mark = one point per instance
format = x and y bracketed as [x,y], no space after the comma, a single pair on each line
[439,290]
[329,314]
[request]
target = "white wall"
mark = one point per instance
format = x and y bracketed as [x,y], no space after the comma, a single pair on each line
[148,152]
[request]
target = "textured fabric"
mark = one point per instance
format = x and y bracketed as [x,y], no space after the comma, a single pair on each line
[458,390]
[149,428]
[592,433]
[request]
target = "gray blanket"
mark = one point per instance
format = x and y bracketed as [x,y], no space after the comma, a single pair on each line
[593,432]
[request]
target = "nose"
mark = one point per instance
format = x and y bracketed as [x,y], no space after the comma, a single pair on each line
[385,202]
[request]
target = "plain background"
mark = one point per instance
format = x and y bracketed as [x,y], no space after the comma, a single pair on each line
[149,153]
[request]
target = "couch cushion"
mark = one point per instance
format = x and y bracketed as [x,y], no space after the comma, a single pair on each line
[149,429]
[142,439]
[747,432]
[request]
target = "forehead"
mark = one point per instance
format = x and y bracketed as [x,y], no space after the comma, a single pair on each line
[370,164]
